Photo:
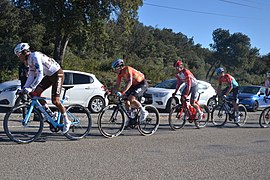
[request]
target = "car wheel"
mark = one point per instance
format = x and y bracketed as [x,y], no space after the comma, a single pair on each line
[255,106]
[96,104]
[171,102]
[211,104]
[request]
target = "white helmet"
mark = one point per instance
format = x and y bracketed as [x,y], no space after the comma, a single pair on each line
[268,74]
[21,47]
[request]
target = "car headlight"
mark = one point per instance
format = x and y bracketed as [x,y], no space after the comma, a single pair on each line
[11,88]
[162,94]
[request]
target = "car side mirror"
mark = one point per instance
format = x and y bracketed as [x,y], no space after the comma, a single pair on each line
[261,94]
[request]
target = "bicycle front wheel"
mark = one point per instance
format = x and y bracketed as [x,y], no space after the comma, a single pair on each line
[243,115]
[264,120]
[21,131]
[111,121]
[150,125]
[81,121]
[219,115]
[205,118]
[177,119]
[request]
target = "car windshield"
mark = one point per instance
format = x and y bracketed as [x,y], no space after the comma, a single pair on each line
[249,89]
[168,84]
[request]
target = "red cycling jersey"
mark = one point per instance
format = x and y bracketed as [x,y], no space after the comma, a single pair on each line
[129,73]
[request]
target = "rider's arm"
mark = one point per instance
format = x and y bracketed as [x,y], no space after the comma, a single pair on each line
[39,72]
[266,84]
[30,79]
[178,84]
[116,86]
[129,82]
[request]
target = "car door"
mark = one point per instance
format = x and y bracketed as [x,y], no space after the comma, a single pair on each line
[261,100]
[82,90]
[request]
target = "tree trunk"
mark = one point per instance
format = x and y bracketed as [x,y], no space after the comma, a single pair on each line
[60,47]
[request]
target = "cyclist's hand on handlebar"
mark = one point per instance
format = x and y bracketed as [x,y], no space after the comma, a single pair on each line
[24,91]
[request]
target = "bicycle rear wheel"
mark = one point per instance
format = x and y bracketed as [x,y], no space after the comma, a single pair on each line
[111,121]
[219,115]
[20,132]
[264,120]
[177,119]
[243,115]
[151,123]
[81,121]
[203,122]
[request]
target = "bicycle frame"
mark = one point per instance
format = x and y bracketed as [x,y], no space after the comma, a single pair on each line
[35,104]
[120,105]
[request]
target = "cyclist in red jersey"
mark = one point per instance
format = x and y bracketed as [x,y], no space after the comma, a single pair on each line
[232,86]
[183,75]
[135,86]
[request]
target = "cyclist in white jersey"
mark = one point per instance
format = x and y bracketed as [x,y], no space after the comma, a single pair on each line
[43,73]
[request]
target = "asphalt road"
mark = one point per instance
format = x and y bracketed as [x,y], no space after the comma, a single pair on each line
[230,152]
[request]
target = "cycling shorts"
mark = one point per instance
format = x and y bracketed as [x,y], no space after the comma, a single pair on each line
[137,90]
[56,81]
[234,93]
[193,91]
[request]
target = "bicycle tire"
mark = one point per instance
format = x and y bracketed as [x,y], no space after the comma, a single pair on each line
[175,121]
[81,120]
[264,120]
[150,125]
[243,115]
[203,122]
[18,132]
[111,121]
[219,116]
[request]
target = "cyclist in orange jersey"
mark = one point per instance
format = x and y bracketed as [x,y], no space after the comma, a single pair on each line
[135,86]
[183,75]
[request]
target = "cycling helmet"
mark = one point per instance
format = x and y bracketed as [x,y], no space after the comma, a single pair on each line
[21,47]
[117,63]
[219,70]
[268,74]
[178,63]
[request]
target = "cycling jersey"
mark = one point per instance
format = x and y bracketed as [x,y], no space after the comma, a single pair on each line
[228,79]
[129,73]
[187,77]
[39,65]
[267,83]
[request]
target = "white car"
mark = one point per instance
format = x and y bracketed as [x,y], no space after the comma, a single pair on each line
[87,91]
[160,96]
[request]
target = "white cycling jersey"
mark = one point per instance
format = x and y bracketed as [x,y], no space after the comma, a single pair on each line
[40,65]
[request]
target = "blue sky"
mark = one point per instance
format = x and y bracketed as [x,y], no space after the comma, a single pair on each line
[199,18]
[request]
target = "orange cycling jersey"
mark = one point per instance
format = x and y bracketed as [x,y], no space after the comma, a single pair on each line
[129,73]
[227,79]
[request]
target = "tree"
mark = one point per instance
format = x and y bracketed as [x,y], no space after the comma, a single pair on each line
[64,19]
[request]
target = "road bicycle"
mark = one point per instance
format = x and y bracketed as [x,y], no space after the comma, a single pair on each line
[24,123]
[225,111]
[112,120]
[181,113]
[264,120]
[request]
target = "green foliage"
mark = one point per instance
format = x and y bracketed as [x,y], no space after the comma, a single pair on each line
[90,35]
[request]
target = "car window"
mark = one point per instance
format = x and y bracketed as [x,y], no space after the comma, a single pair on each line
[168,84]
[249,89]
[262,90]
[202,86]
[82,79]
[68,79]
